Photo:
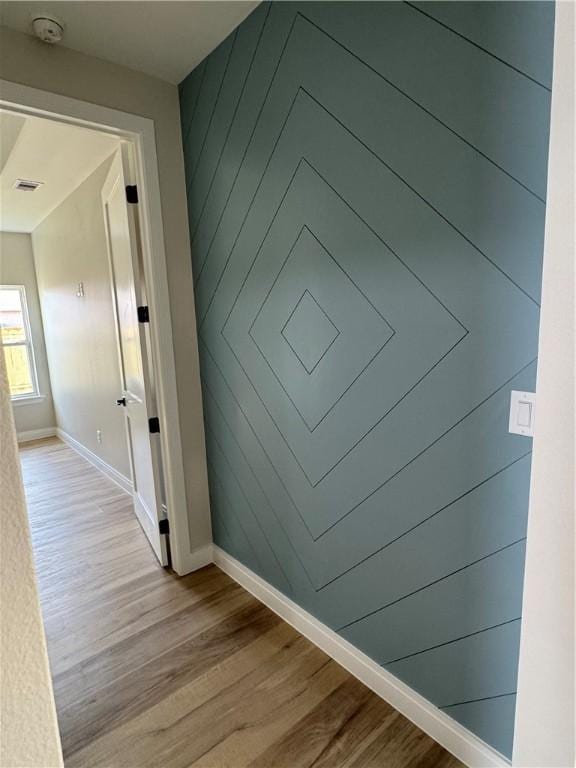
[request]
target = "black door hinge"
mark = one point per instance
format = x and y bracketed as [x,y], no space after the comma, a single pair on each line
[131,193]
[154,425]
[164,526]
[143,315]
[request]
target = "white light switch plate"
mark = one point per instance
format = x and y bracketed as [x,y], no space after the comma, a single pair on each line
[522,412]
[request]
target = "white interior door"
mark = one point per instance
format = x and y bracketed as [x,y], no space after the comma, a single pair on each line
[135,398]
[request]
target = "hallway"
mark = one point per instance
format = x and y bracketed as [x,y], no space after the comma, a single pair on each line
[152,670]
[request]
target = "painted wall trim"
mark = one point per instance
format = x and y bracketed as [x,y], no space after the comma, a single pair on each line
[117,477]
[18,402]
[451,735]
[199,558]
[35,434]
[140,130]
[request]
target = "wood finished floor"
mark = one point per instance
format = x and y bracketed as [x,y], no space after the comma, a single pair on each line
[154,670]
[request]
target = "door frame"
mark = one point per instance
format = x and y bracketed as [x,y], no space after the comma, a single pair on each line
[139,131]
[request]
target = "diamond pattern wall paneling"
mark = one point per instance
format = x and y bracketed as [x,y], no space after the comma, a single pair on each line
[366,200]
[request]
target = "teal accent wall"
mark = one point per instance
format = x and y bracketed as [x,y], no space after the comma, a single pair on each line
[366,186]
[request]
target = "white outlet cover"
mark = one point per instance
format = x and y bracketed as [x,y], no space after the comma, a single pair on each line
[522,413]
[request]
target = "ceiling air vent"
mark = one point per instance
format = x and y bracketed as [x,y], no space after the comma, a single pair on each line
[25,185]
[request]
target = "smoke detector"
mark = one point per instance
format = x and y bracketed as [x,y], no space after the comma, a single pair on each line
[48,29]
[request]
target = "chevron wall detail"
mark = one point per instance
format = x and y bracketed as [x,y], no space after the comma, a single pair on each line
[366,187]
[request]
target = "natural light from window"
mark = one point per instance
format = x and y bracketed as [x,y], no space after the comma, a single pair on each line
[16,342]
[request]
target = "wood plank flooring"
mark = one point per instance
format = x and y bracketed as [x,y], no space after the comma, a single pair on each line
[154,670]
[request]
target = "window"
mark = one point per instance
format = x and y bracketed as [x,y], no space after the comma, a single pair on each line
[17,342]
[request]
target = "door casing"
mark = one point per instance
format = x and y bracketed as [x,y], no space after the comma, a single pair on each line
[139,131]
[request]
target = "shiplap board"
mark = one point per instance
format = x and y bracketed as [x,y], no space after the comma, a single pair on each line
[393,169]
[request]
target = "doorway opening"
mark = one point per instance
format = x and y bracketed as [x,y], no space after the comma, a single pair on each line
[145,457]
[73,306]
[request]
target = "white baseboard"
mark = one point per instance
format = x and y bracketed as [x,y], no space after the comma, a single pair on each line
[36,434]
[458,740]
[117,477]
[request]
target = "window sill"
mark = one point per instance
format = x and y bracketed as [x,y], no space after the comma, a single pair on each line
[28,400]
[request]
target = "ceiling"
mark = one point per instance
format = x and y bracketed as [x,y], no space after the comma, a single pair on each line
[161,38]
[61,156]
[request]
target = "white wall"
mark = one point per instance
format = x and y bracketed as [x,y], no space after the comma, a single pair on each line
[545,713]
[28,729]
[25,60]
[17,268]
[69,248]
